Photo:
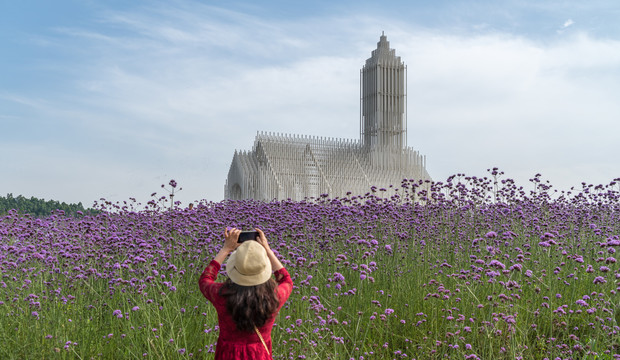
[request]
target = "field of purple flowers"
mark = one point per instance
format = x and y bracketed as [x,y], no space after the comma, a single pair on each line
[468,268]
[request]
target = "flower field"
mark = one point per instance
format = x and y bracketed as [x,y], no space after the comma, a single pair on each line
[467,268]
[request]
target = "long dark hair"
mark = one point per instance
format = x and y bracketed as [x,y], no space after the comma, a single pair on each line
[250,306]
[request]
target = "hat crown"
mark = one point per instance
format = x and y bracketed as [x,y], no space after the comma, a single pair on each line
[250,259]
[249,265]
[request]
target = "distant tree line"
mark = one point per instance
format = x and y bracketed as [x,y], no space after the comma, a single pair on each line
[39,207]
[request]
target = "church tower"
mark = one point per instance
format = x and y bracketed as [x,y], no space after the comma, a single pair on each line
[383,100]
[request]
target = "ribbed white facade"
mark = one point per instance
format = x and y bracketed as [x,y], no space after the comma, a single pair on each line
[384,98]
[284,166]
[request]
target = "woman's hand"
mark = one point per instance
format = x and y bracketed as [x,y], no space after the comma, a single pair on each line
[232,238]
[262,239]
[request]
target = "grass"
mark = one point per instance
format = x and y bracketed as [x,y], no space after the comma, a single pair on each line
[432,293]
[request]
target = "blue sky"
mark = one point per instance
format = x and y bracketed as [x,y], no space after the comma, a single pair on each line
[111,99]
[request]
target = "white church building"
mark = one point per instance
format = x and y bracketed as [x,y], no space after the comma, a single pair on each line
[287,166]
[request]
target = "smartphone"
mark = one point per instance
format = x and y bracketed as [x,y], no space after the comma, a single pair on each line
[247,235]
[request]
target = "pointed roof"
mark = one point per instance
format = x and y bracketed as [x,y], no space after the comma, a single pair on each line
[383,55]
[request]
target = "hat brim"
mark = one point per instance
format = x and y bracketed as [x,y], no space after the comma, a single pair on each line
[247,280]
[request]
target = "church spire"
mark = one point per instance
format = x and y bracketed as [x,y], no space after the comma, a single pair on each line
[383,98]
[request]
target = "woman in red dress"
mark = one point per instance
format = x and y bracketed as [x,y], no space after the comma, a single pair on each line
[248,302]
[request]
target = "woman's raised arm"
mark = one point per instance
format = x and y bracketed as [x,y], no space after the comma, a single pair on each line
[275,262]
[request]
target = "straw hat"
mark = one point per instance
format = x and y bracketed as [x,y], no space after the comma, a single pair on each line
[249,264]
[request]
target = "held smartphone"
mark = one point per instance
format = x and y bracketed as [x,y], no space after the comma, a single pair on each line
[247,235]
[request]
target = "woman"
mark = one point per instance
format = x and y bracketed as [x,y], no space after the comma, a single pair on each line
[248,302]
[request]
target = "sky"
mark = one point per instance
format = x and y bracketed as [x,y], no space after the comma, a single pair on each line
[112,99]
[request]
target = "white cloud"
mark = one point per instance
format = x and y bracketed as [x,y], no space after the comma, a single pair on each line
[568,23]
[517,104]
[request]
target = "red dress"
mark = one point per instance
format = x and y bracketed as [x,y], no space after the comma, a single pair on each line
[233,344]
